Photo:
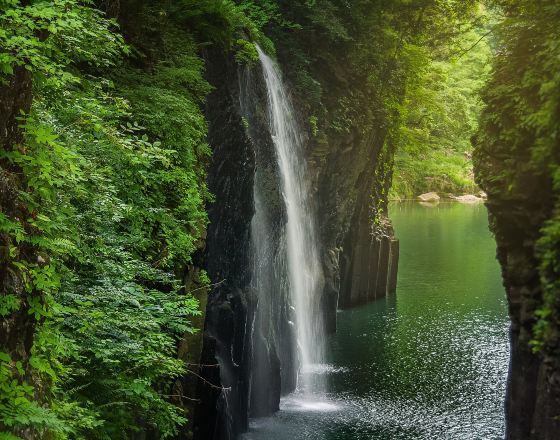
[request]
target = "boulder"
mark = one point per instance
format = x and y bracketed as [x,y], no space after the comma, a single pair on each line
[429,197]
[469,198]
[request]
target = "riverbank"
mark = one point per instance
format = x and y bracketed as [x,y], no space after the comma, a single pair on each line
[435,197]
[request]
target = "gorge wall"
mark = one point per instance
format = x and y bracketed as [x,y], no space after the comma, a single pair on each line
[349,130]
[517,163]
[249,323]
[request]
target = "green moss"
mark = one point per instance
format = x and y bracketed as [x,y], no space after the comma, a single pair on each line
[246,52]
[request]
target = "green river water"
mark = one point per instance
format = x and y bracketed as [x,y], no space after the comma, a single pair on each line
[427,363]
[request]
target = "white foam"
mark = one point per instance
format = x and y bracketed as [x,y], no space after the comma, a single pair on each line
[323,369]
[308,404]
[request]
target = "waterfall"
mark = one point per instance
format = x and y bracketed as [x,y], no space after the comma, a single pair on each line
[303,267]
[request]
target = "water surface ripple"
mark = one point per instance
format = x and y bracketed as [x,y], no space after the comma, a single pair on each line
[429,363]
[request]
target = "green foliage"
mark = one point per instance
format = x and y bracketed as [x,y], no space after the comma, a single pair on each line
[122,308]
[8,304]
[17,404]
[45,37]
[226,21]
[113,166]
[246,52]
[547,327]
[116,193]
[365,54]
[442,109]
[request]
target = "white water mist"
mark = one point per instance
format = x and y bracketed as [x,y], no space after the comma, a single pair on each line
[304,270]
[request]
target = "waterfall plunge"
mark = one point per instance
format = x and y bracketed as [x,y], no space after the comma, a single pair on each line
[304,270]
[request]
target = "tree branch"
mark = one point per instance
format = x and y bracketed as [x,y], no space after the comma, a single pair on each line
[475,44]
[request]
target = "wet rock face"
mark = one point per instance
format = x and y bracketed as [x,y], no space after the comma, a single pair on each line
[274,363]
[226,355]
[369,266]
[360,248]
[249,331]
[516,163]
[248,356]
[521,202]
[533,392]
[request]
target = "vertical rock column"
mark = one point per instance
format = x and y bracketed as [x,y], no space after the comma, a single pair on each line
[369,265]
[224,391]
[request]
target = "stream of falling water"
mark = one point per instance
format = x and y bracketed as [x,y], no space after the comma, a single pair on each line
[304,271]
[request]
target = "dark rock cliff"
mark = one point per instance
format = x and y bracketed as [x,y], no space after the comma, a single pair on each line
[248,330]
[349,129]
[517,219]
[517,158]
[533,388]
[354,227]
[274,363]
[223,393]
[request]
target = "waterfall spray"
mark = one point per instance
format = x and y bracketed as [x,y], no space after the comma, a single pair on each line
[304,270]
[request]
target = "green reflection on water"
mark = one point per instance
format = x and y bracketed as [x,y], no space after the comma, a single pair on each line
[427,363]
[437,351]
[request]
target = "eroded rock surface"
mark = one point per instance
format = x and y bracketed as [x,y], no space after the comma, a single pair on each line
[517,164]
[249,359]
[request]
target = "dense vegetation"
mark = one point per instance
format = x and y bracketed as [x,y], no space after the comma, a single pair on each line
[103,182]
[103,173]
[103,205]
[442,109]
[517,152]
[359,72]
[103,162]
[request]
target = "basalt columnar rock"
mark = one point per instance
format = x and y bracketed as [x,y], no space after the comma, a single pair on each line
[354,229]
[226,356]
[248,353]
